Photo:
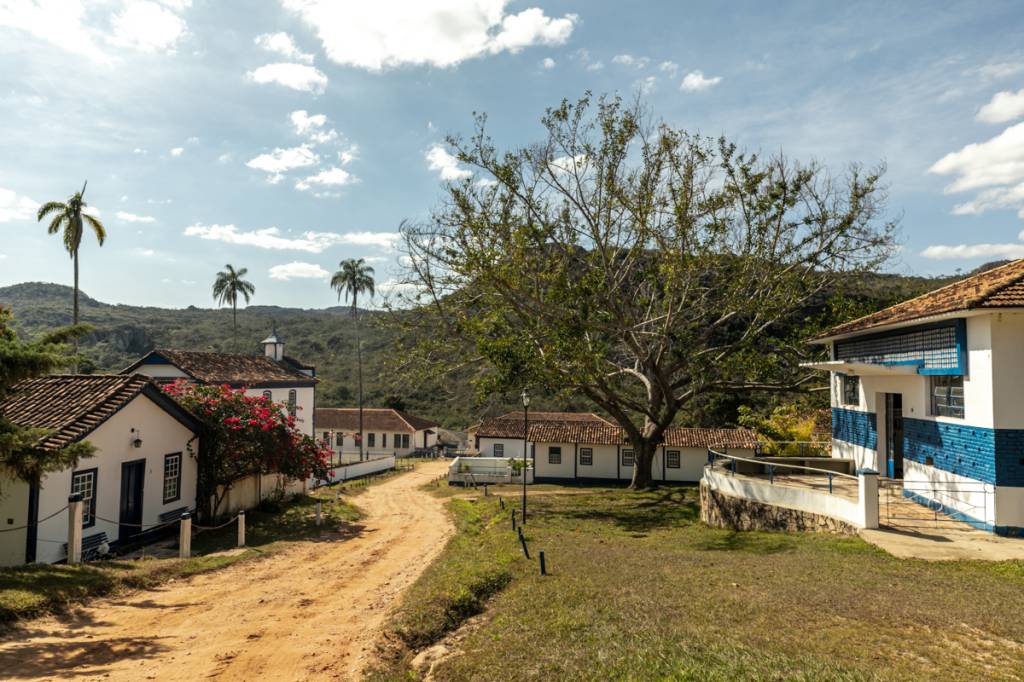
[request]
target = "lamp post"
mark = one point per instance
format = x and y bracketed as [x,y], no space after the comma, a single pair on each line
[526,431]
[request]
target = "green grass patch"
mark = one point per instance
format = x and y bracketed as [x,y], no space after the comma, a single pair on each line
[639,589]
[39,589]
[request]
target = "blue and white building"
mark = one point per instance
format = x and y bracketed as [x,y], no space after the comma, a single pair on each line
[931,392]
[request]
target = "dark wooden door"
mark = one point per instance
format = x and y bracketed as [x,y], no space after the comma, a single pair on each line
[894,434]
[132,477]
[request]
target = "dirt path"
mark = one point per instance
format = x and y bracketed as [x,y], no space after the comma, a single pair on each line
[311,612]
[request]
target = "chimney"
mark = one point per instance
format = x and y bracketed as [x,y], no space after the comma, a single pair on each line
[273,346]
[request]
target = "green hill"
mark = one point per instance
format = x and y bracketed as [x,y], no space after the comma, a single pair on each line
[326,338]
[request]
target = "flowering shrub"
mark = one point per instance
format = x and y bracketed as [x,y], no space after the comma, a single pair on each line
[246,435]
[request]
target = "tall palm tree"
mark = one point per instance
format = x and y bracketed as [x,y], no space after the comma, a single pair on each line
[71,219]
[355,277]
[227,288]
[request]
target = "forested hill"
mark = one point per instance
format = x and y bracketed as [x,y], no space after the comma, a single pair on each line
[324,337]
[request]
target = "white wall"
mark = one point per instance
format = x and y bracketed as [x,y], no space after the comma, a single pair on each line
[305,397]
[1008,375]
[563,470]
[350,446]
[604,462]
[13,513]
[513,447]
[974,498]
[161,434]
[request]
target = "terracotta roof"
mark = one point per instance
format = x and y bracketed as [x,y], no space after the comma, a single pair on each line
[705,438]
[228,368]
[73,406]
[1001,287]
[595,430]
[374,419]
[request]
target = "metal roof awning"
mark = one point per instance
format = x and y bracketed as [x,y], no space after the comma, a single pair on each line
[864,368]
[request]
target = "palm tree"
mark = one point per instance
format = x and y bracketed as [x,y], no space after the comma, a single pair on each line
[70,218]
[355,277]
[226,289]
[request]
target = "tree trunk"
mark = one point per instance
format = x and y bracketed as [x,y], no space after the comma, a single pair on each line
[234,325]
[643,454]
[359,362]
[74,309]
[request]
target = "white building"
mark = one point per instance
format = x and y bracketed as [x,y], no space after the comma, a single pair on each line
[286,381]
[931,392]
[385,432]
[564,446]
[142,473]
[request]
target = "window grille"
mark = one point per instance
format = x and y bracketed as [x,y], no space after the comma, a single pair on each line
[172,477]
[935,348]
[947,396]
[672,459]
[554,455]
[586,456]
[627,458]
[84,484]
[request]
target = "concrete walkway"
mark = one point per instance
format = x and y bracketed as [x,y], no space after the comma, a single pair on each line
[912,531]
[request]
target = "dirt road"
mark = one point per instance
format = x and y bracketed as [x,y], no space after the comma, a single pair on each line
[311,612]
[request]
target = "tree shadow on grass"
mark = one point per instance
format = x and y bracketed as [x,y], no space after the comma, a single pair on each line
[749,542]
[667,507]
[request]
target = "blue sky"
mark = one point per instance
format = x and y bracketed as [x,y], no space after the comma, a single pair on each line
[284,136]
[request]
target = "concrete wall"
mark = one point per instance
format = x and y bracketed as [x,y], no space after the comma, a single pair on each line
[14,495]
[513,447]
[305,399]
[721,510]
[161,434]
[1007,334]
[603,466]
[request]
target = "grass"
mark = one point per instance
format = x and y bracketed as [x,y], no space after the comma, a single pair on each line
[640,589]
[39,589]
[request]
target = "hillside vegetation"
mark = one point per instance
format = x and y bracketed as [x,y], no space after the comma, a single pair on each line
[326,338]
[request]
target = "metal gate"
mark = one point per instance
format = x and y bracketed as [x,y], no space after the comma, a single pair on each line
[927,504]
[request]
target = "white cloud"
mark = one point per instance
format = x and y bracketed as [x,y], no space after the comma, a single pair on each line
[295,76]
[282,44]
[393,33]
[140,150]
[134,218]
[282,160]
[1005,106]
[298,270]
[445,164]
[3,255]
[147,27]
[998,161]
[225,157]
[177,151]
[669,67]
[332,177]
[630,60]
[91,210]
[313,127]
[695,82]
[965,251]
[59,22]
[548,63]
[271,238]
[148,253]
[595,66]
[14,207]
[569,164]
[999,70]
[646,85]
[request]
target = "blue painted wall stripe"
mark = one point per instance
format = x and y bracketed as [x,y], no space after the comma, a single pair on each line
[991,455]
[856,427]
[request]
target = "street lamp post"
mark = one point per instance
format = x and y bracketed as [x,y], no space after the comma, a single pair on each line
[526,430]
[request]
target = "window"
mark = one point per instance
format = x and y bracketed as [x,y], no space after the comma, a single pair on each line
[627,458]
[371,439]
[268,395]
[172,477]
[339,439]
[947,396]
[383,440]
[672,459]
[849,387]
[84,484]
[292,402]
[405,441]
[586,456]
[554,455]
[498,450]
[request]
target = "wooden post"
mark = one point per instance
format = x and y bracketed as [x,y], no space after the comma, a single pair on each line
[75,529]
[319,517]
[543,564]
[241,528]
[185,536]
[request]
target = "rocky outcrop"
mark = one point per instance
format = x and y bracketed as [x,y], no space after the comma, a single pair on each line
[724,511]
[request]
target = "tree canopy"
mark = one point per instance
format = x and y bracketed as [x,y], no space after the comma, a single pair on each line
[635,263]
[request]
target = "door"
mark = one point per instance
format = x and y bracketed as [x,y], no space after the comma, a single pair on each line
[894,434]
[132,477]
[32,532]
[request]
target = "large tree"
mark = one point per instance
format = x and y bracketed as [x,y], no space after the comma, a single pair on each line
[355,277]
[70,218]
[635,263]
[227,287]
[20,453]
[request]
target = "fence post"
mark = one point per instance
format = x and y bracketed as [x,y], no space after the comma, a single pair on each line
[319,509]
[543,564]
[185,536]
[867,494]
[75,529]
[241,528]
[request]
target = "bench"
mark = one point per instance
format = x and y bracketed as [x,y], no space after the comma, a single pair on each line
[90,545]
[172,515]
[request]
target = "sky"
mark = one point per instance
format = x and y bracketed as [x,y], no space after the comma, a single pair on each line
[286,135]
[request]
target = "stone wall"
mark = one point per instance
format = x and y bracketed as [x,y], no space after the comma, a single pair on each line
[725,511]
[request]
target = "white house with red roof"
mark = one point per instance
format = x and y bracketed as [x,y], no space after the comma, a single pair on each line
[386,431]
